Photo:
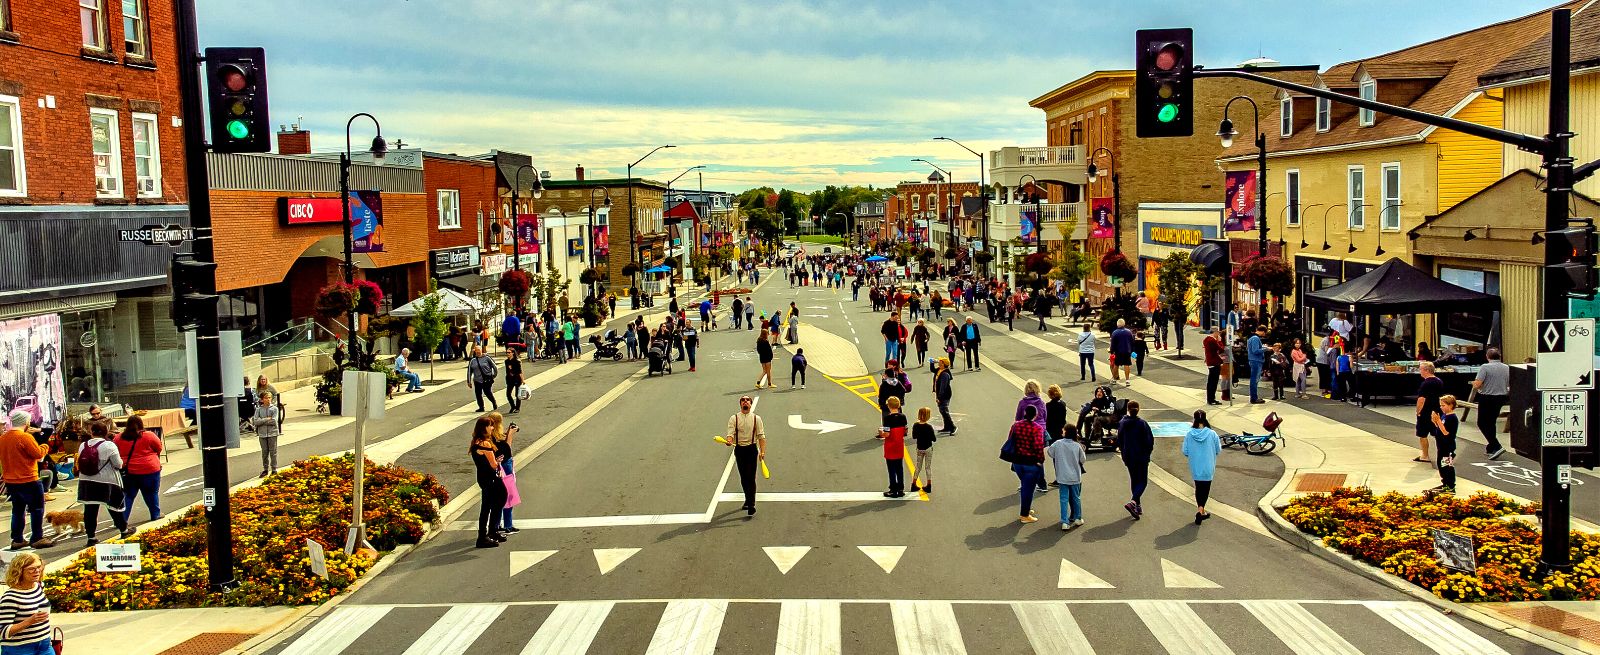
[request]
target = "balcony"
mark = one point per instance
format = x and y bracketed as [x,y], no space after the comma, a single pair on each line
[1054,216]
[1068,164]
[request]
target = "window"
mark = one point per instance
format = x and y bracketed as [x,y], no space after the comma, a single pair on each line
[449,209]
[134,36]
[13,181]
[146,156]
[916,203]
[1324,114]
[92,21]
[1285,117]
[1369,91]
[5,15]
[1291,192]
[1389,217]
[1356,185]
[107,153]
[933,203]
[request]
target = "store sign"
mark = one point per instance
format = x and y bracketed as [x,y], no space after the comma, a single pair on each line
[449,261]
[574,247]
[1317,267]
[494,264]
[1353,270]
[1564,418]
[310,211]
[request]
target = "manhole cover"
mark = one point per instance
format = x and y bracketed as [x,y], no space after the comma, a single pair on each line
[1556,620]
[209,643]
[1319,482]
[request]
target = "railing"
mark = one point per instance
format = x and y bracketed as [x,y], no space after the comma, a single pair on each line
[1039,156]
[1054,212]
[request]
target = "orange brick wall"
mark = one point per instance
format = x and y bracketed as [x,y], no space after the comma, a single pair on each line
[254,249]
[476,183]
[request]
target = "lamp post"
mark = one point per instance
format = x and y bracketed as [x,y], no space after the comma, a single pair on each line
[848,220]
[937,211]
[1037,198]
[590,238]
[537,190]
[633,220]
[1325,245]
[982,187]
[1227,133]
[1302,214]
[379,147]
[1116,192]
[679,230]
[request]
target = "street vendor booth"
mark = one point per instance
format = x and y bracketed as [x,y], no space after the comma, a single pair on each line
[1396,287]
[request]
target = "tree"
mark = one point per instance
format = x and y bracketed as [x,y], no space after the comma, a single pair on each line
[429,324]
[764,224]
[549,285]
[1176,281]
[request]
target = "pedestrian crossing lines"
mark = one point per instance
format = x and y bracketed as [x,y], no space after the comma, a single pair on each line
[865,387]
[909,627]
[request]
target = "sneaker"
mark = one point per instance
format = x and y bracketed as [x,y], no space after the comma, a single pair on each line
[497,536]
[1027,519]
[802,386]
[1497,453]
[511,530]
[1077,523]
[1066,526]
[1054,483]
[1131,509]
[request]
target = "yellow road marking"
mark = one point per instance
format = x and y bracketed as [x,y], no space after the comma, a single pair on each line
[851,385]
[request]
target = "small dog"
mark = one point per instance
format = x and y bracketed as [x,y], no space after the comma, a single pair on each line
[67,518]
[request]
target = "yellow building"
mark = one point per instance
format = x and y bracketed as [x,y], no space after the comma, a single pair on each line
[1346,185]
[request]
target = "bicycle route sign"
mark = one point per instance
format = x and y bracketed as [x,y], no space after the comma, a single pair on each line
[1566,354]
[1564,418]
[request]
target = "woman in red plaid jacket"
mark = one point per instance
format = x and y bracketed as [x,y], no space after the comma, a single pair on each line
[1027,440]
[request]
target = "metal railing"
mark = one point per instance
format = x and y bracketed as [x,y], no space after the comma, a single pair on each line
[1037,156]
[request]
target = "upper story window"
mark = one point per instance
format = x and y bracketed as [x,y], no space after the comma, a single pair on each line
[1356,186]
[1369,91]
[92,21]
[1291,192]
[1285,117]
[134,32]
[449,209]
[1324,114]
[916,203]
[146,156]
[1390,214]
[107,153]
[13,180]
[5,15]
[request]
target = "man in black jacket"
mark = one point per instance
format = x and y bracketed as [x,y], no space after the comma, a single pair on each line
[1136,442]
[738,311]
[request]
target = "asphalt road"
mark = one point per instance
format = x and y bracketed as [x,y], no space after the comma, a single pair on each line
[628,544]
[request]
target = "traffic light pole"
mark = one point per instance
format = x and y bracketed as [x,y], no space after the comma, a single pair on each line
[208,355]
[1554,151]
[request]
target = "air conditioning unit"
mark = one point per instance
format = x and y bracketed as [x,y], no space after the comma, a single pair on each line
[147,185]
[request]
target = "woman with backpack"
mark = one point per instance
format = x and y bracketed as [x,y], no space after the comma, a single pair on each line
[141,455]
[99,474]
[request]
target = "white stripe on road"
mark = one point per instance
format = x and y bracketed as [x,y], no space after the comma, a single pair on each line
[1178,628]
[1051,630]
[1073,576]
[688,627]
[1298,629]
[569,629]
[809,627]
[1431,628]
[336,631]
[808,497]
[454,633]
[926,627]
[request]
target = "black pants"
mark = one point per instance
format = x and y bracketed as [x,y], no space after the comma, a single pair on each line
[797,370]
[972,355]
[922,354]
[91,516]
[512,396]
[1489,418]
[747,458]
[1213,376]
[1086,364]
[1445,447]
[492,502]
[1202,491]
[1138,478]
[944,414]
[1325,377]
[481,390]
[897,474]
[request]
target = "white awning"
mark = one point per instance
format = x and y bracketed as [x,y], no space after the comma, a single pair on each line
[88,303]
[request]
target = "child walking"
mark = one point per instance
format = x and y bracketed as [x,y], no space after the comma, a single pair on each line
[1445,426]
[893,434]
[922,433]
[1066,454]
[797,367]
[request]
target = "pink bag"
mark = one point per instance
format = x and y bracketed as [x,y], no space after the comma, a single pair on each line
[512,497]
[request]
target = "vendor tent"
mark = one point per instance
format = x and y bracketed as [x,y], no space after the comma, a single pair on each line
[451,302]
[657,269]
[1400,288]
[877,258]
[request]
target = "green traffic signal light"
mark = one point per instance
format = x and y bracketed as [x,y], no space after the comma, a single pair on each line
[238,129]
[1167,112]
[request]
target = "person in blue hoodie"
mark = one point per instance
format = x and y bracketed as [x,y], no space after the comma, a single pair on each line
[1201,446]
[1256,351]
[1136,442]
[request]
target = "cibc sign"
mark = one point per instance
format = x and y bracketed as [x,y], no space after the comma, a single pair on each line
[310,211]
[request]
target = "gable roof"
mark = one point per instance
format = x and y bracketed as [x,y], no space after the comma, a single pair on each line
[1396,287]
[1404,70]
[1533,60]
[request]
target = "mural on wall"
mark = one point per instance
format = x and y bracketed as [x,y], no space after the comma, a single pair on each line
[30,368]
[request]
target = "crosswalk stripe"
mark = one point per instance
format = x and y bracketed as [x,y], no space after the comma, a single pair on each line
[688,627]
[569,629]
[454,633]
[809,627]
[1051,630]
[926,627]
[1433,629]
[1298,629]
[336,631]
[1178,628]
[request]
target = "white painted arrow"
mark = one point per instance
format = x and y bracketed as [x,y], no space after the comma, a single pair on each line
[184,484]
[823,427]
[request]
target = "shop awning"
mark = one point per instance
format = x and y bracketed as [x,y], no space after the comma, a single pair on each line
[451,303]
[470,282]
[1399,288]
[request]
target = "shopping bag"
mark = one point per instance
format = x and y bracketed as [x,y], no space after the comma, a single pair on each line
[512,497]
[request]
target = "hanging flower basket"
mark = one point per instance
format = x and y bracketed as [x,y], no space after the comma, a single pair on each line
[1268,274]
[369,297]
[983,257]
[1038,264]
[337,300]
[927,254]
[1115,264]
[515,283]
[589,276]
[949,253]
[630,268]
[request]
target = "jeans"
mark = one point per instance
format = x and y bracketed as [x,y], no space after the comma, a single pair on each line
[148,484]
[633,349]
[27,501]
[413,381]
[747,458]
[749,320]
[269,454]
[509,468]
[1029,475]
[897,474]
[1489,419]
[944,414]
[855,294]
[41,647]
[891,350]
[1138,478]
[736,322]
[691,356]
[512,398]
[1255,381]
[1071,502]
[480,390]
[91,517]
[972,355]
[1086,361]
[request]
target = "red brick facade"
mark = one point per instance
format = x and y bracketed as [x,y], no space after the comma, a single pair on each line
[911,202]
[254,249]
[474,184]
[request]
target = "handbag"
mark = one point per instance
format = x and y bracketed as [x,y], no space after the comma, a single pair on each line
[57,640]
[1008,450]
[513,498]
[523,392]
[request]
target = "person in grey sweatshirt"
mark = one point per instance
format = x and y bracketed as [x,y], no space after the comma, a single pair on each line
[266,424]
[1066,454]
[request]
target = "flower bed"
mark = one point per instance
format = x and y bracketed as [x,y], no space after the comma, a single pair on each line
[271,523]
[1391,531]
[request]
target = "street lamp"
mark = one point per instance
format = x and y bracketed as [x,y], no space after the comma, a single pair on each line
[679,230]
[1036,196]
[1226,132]
[538,191]
[1302,213]
[848,221]
[358,527]
[1325,212]
[984,189]
[633,219]
[590,238]
[937,211]
[1116,191]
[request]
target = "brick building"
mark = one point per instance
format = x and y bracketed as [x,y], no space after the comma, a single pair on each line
[915,205]
[567,201]
[90,144]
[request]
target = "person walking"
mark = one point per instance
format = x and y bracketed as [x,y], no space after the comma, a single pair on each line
[971,337]
[141,455]
[942,379]
[492,490]
[513,364]
[738,312]
[99,473]
[893,434]
[919,340]
[24,609]
[1493,387]
[1122,353]
[1026,442]
[749,313]
[1428,394]
[1256,353]
[1326,352]
[481,373]
[1137,443]
[691,342]
[413,381]
[20,454]
[1141,352]
[1201,446]
[797,368]
[1445,426]
[891,337]
[764,356]
[922,434]
[265,423]
[1299,368]
[1160,318]
[1031,400]
[747,436]
[1055,414]
[894,384]
[1086,355]
[1067,456]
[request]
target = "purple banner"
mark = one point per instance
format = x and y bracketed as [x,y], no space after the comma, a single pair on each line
[527,234]
[1240,197]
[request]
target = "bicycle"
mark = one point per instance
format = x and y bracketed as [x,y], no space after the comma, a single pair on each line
[1259,444]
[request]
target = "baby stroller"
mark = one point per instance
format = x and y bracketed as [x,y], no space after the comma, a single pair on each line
[660,358]
[607,347]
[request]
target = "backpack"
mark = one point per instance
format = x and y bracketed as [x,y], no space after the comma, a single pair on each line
[89,458]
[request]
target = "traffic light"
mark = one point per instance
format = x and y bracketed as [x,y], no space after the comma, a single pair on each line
[1575,257]
[1164,83]
[236,84]
[193,291]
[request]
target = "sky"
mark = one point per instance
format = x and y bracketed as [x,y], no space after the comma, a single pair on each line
[794,95]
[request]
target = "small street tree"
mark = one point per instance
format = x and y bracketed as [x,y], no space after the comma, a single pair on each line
[429,324]
[1176,281]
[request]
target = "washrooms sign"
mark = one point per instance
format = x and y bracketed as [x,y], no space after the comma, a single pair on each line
[1566,354]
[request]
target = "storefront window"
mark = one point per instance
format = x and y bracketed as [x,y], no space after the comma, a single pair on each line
[1470,329]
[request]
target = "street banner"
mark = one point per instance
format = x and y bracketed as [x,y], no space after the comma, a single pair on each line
[1030,223]
[366,221]
[1101,212]
[1240,198]
[527,234]
[601,238]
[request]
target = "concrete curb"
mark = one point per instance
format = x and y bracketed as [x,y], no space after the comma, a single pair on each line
[1288,532]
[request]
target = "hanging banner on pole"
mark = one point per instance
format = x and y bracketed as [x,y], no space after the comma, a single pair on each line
[527,234]
[601,240]
[1030,224]
[1102,213]
[1240,197]
[366,221]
